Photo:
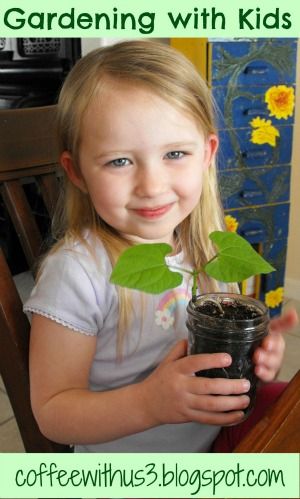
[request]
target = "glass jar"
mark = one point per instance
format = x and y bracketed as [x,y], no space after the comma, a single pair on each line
[231,323]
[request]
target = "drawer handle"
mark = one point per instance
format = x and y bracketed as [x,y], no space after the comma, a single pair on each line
[255,112]
[253,232]
[256,70]
[256,153]
[250,194]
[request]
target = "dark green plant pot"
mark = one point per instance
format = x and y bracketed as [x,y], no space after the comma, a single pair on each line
[238,330]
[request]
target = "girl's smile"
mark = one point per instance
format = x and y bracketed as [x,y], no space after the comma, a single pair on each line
[141,161]
[153,213]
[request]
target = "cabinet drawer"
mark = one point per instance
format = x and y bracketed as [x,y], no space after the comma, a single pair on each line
[237,150]
[255,186]
[264,223]
[237,108]
[275,253]
[256,62]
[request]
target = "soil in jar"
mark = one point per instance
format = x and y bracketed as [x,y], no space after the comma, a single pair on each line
[228,325]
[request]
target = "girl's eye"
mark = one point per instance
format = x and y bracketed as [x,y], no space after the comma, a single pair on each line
[119,162]
[175,154]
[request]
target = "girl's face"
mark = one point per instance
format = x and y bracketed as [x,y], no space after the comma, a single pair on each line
[141,162]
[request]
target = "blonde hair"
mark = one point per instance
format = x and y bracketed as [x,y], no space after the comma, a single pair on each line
[168,74]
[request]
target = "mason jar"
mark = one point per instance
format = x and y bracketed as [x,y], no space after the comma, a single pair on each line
[231,323]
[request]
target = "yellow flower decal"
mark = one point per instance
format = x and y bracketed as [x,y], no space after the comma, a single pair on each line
[280,101]
[274,298]
[231,223]
[264,132]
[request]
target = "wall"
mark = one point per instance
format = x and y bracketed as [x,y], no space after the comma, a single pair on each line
[292,276]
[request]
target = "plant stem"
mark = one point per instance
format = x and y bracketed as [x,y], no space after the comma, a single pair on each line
[211,260]
[194,288]
[193,273]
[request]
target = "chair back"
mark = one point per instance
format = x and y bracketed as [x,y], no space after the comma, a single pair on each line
[28,155]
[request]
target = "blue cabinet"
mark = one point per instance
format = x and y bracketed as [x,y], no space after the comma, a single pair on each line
[246,105]
[253,62]
[237,150]
[253,84]
[259,224]
[255,186]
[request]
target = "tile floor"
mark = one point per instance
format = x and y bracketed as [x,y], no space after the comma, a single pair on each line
[9,435]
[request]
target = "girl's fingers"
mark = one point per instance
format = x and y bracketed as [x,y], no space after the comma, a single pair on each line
[218,403]
[274,342]
[218,386]
[264,373]
[284,323]
[194,363]
[270,360]
[270,350]
[215,418]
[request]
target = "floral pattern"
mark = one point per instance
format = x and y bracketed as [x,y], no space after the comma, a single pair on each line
[231,223]
[172,306]
[280,101]
[274,297]
[164,318]
[263,132]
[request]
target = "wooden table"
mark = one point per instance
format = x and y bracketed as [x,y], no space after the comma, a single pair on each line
[279,429]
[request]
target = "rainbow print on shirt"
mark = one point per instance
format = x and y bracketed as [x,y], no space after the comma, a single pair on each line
[170,306]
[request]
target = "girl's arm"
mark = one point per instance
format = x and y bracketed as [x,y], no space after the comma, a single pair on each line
[64,407]
[68,412]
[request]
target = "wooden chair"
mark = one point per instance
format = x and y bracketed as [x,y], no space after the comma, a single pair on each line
[28,151]
[279,429]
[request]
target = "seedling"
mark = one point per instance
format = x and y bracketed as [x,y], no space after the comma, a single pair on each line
[144,267]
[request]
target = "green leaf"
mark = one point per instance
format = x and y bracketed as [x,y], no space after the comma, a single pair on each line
[236,259]
[143,267]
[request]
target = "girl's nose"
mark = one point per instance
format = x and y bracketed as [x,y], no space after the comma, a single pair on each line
[151,182]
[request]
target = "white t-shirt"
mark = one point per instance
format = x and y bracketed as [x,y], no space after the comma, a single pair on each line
[74,290]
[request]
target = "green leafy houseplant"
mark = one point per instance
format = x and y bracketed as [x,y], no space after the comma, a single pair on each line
[143,266]
[217,322]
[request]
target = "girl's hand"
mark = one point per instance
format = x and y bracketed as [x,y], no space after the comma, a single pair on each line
[268,357]
[173,394]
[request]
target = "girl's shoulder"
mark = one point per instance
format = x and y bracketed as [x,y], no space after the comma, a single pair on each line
[87,251]
[85,243]
[73,287]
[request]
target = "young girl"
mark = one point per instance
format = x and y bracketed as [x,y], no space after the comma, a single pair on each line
[109,370]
